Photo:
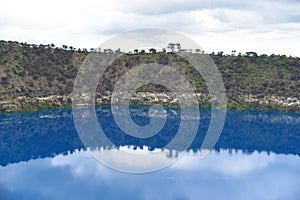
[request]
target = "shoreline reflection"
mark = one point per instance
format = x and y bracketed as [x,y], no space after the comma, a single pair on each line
[26,136]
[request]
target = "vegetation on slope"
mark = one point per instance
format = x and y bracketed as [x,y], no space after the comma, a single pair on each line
[42,76]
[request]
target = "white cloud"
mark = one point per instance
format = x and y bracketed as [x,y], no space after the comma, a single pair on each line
[219,176]
[236,163]
[263,26]
[82,165]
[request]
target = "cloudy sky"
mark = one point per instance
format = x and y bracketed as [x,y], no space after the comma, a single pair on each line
[271,26]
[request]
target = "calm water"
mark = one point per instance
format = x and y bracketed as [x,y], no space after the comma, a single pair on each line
[256,157]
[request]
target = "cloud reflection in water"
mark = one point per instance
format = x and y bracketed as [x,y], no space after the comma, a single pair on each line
[79,176]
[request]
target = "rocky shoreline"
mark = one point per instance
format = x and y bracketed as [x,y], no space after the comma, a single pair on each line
[32,103]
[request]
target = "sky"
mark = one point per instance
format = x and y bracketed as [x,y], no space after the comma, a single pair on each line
[270,26]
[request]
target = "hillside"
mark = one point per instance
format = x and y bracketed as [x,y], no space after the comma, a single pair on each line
[41,76]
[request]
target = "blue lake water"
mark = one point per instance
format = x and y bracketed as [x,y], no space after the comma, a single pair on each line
[256,157]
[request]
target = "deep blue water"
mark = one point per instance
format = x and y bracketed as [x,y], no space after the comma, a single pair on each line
[256,157]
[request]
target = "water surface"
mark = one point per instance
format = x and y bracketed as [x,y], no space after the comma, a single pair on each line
[256,157]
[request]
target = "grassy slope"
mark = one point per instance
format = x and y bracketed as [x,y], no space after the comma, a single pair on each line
[38,70]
